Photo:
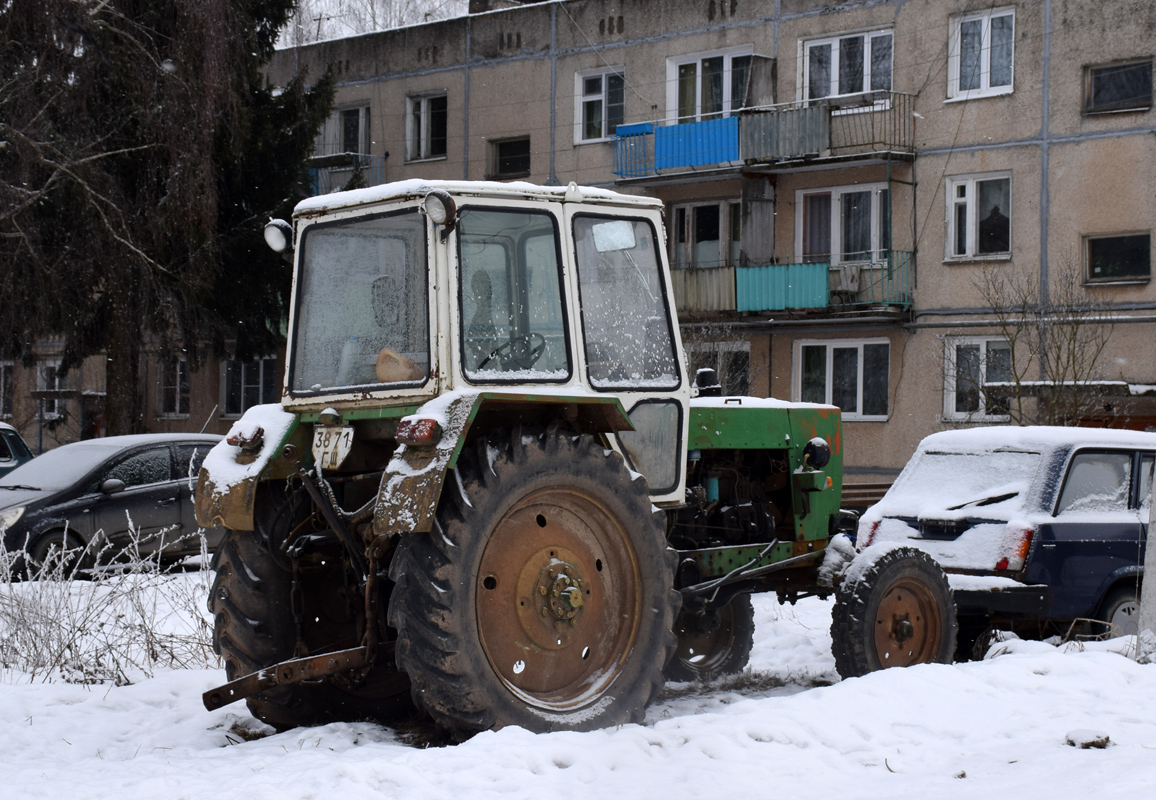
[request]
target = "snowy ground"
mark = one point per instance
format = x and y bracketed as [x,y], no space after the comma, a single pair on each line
[992,729]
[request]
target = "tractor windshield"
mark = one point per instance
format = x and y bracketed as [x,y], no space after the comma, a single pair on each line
[511,300]
[362,305]
[624,310]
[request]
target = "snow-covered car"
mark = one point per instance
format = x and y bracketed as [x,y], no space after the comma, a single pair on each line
[101,498]
[1036,526]
[13,450]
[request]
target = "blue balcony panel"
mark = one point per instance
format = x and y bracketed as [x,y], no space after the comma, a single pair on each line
[781,286]
[696,144]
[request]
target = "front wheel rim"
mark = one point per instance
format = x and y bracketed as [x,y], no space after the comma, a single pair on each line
[907,627]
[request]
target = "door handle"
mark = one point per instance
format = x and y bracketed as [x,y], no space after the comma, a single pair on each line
[1049,546]
[167,502]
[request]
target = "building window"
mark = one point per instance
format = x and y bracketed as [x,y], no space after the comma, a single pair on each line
[601,105]
[48,380]
[845,65]
[731,361]
[247,384]
[1125,257]
[850,374]
[510,158]
[707,85]
[977,216]
[980,59]
[1118,87]
[843,224]
[346,131]
[7,388]
[172,388]
[707,234]
[426,127]
[972,364]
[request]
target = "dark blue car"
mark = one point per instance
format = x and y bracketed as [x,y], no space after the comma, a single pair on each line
[1038,528]
[13,451]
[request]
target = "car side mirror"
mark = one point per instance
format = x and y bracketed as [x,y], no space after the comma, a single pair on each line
[112,486]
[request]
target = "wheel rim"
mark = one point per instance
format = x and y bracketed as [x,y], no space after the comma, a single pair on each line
[907,625]
[1125,617]
[558,598]
[705,651]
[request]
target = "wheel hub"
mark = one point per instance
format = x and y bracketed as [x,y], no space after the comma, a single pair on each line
[907,629]
[559,591]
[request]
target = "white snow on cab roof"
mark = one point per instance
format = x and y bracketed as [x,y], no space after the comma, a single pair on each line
[1033,437]
[511,190]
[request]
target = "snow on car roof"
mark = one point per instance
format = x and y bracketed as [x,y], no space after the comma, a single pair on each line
[1039,437]
[511,190]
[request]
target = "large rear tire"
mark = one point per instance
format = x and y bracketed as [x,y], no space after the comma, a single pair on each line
[544,595]
[895,610]
[255,626]
[710,645]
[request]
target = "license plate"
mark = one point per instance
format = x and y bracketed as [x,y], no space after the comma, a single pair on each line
[331,444]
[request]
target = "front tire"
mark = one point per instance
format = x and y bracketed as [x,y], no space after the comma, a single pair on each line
[710,645]
[544,595]
[895,611]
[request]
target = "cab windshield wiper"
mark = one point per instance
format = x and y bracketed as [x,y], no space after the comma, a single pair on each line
[19,486]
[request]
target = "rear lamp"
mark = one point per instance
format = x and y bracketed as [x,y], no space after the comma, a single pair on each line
[866,534]
[419,431]
[1017,540]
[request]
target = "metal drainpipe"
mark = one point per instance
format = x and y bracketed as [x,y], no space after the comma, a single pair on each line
[553,179]
[1045,134]
[466,100]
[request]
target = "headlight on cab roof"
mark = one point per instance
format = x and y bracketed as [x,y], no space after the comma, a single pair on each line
[10,516]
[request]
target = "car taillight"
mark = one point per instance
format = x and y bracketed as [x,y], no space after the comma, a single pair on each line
[866,534]
[418,431]
[1017,540]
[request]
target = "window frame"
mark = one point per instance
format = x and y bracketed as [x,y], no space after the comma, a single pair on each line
[672,67]
[1086,106]
[7,389]
[581,98]
[950,374]
[971,181]
[259,364]
[495,159]
[681,250]
[831,344]
[50,409]
[331,138]
[803,90]
[835,256]
[716,349]
[418,142]
[954,55]
[182,392]
[1121,280]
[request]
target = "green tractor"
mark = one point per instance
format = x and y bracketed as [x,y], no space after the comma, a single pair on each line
[491,488]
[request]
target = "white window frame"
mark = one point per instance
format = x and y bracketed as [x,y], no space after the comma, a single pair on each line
[603,97]
[417,142]
[972,201]
[803,89]
[246,367]
[830,344]
[728,208]
[949,378]
[717,349]
[331,138]
[7,388]
[51,408]
[674,62]
[955,49]
[878,252]
[164,376]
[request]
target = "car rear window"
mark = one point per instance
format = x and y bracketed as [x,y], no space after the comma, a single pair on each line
[962,482]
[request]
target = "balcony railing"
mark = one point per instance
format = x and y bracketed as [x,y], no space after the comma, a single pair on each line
[334,172]
[836,128]
[886,281]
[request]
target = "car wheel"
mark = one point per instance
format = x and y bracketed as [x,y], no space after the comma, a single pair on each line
[58,555]
[1121,610]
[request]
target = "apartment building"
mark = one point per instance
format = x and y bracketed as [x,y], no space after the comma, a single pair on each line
[843,182]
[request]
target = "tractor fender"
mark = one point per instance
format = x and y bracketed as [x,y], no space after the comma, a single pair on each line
[412,483]
[228,480]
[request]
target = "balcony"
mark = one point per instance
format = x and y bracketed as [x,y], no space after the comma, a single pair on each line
[333,173]
[845,128]
[884,283]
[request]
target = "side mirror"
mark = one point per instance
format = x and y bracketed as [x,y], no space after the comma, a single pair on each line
[112,486]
